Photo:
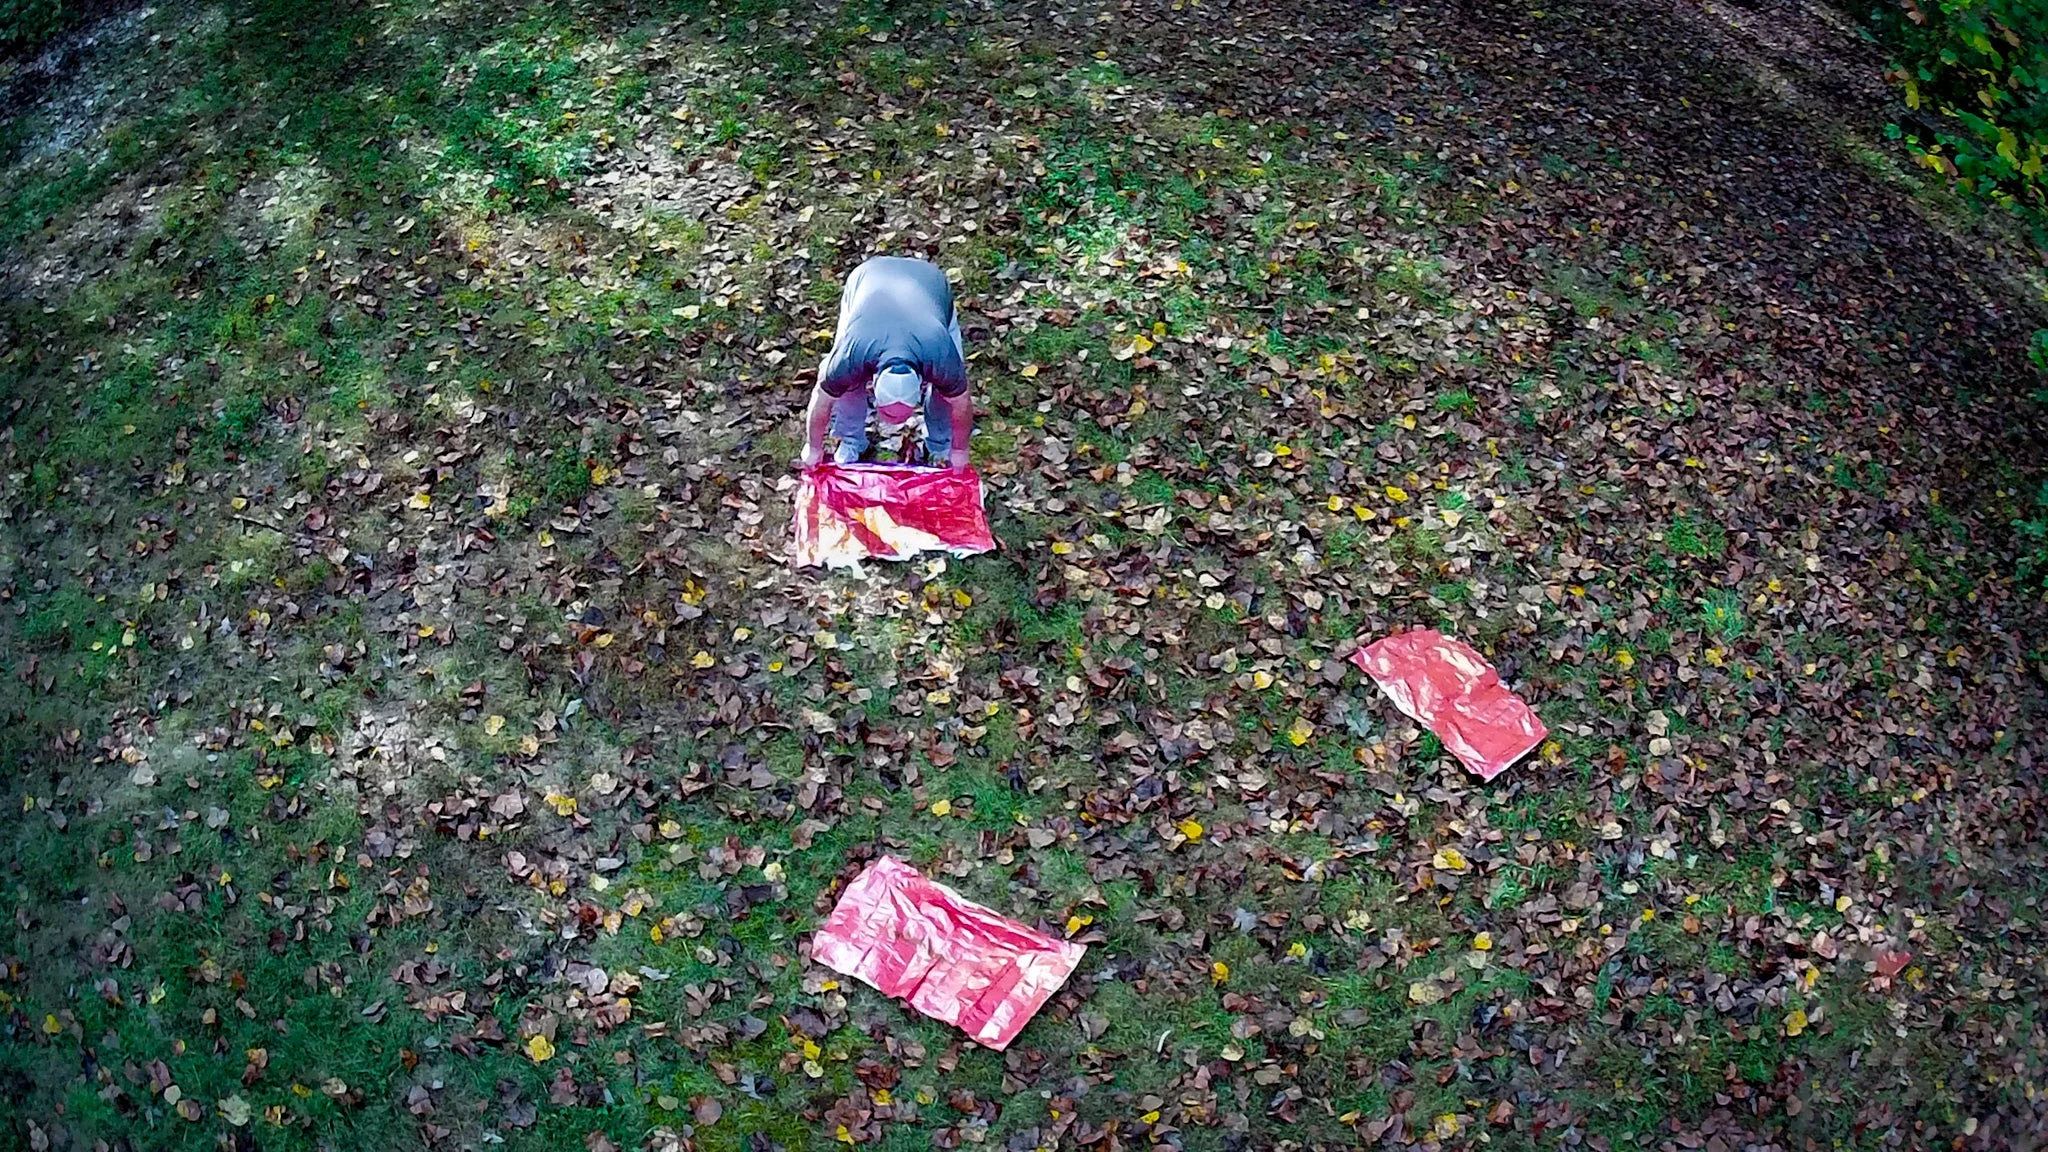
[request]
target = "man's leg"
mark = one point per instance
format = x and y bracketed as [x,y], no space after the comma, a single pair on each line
[850,425]
[938,427]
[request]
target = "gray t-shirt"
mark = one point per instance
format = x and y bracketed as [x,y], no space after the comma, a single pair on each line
[895,311]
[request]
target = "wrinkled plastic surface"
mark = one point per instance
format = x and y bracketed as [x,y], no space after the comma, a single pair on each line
[1452,689]
[950,958]
[846,513]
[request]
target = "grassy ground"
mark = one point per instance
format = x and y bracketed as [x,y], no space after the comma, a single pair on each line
[421,739]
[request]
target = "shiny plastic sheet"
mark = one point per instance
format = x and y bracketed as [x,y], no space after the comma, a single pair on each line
[950,958]
[846,513]
[1452,689]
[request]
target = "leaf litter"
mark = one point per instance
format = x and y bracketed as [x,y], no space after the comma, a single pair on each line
[454,567]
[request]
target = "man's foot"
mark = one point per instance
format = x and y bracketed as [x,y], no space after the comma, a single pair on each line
[847,454]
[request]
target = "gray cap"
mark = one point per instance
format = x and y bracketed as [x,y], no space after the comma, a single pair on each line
[899,392]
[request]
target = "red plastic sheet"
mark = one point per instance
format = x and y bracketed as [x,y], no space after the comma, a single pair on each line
[950,958]
[851,512]
[1452,689]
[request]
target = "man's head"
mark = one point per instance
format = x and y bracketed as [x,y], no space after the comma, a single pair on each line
[899,393]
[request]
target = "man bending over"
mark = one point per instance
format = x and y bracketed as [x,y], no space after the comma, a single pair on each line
[898,350]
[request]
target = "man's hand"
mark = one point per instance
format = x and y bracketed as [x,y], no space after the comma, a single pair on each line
[958,459]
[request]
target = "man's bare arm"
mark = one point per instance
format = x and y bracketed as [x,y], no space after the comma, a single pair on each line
[817,420]
[962,411]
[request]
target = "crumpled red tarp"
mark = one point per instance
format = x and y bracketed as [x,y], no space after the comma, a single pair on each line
[950,958]
[846,513]
[1451,688]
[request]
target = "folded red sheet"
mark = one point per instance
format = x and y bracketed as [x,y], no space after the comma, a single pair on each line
[950,958]
[851,512]
[1452,689]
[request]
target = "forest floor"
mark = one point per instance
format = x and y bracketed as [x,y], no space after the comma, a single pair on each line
[416,736]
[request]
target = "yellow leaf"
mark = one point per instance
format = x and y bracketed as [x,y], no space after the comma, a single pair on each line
[494,725]
[529,744]
[51,1024]
[539,1049]
[1446,1126]
[1425,992]
[1061,548]
[702,660]
[1795,1022]
[599,474]
[1219,972]
[962,599]
[1140,344]
[420,500]
[1300,731]
[1336,504]
[1151,1117]
[811,1049]
[942,807]
[1297,950]
[1262,680]
[1625,658]
[1191,829]
[1397,495]
[1483,942]
[1076,923]
[1028,371]
[1451,860]
[1842,903]
[563,805]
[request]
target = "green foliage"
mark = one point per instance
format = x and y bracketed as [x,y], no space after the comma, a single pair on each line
[2032,533]
[1982,67]
[1696,537]
[27,23]
[1721,615]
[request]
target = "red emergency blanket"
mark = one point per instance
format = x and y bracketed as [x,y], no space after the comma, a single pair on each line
[846,513]
[950,958]
[1452,689]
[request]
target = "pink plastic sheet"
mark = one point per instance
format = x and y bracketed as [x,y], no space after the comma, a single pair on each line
[950,958]
[851,512]
[1452,689]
